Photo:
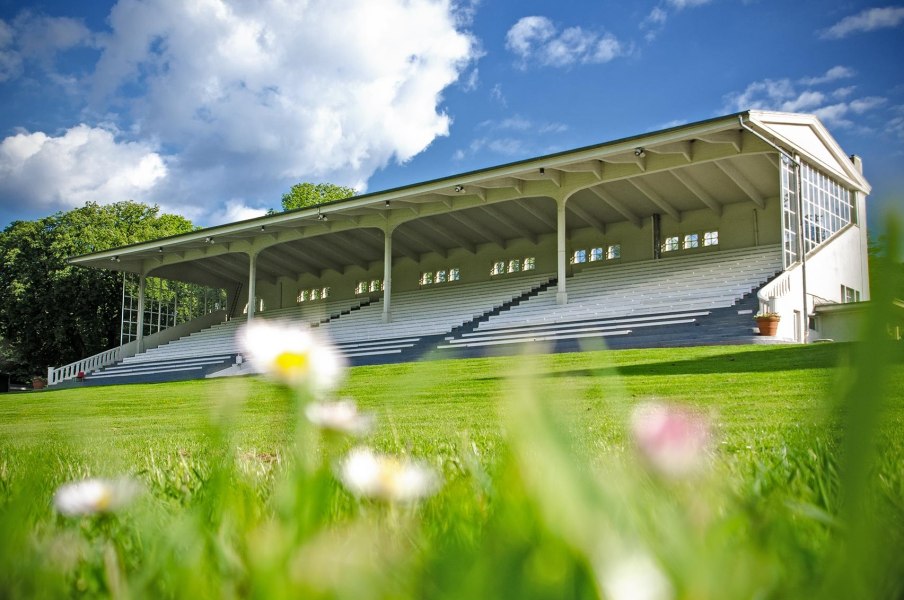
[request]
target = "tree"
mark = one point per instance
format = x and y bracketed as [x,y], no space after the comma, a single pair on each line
[53,312]
[306,194]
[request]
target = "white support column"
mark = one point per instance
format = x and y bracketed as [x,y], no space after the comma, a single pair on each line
[252,280]
[562,252]
[142,288]
[387,276]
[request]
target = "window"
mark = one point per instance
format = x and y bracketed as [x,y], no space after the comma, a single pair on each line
[613,251]
[361,288]
[849,294]
[514,265]
[711,238]
[498,268]
[579,256]
[691,240]
[670,244]
[530,263]
[376,285]
[441,276]
[312,294]
[596,254]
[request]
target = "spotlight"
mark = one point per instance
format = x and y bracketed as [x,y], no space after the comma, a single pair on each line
[387,204]
[263,228]
[321,217]
[115,259]
[208,240]
[160,249]
[542,171]
[639,152]
[459,189]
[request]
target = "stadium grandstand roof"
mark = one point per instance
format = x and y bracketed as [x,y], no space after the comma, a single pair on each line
[702,165]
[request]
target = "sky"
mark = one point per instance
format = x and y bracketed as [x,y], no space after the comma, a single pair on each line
[213,109]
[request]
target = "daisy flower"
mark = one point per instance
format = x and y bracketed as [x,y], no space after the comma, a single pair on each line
[292,355]
[340,417]
[371,475]
[94,496]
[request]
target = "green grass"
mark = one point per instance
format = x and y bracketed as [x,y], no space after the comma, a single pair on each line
[543,492]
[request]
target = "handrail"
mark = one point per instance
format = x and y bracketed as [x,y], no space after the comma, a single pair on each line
[85,365]
[777,288]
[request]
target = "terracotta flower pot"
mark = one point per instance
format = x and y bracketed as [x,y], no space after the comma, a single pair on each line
[767,325]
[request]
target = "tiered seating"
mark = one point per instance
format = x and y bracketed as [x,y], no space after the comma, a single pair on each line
[424,312]
[616,300]
[212,348]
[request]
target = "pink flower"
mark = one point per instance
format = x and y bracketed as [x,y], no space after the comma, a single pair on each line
[673,440]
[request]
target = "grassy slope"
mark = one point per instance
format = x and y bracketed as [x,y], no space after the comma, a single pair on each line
[772,500]
[758,395]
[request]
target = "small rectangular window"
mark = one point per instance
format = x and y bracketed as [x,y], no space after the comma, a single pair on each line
[514,265]
[613,251]
[454,274]
[301,296]
[376,285]
[361,288]
[596,254]
[325,293]
[440,276]
[427,278]
[711,238]
[579,256]
[315,294]
[670,244]
[692,240]
[530,263]
[498,268]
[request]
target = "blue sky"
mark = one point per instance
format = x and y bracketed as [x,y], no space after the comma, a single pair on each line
[213,110]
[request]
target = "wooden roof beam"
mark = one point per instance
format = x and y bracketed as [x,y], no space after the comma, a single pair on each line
[523,231]
[478,228]
[644,188]
[537,214]
[742,182]
[697,190]
[423,240]
[588,218]
[618,205]
[450,235]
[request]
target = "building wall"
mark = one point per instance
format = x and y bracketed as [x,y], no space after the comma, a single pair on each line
[740,226]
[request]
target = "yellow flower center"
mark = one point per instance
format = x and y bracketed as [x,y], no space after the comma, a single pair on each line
[291,363]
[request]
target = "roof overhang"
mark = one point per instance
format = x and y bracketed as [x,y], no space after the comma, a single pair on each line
[693,166]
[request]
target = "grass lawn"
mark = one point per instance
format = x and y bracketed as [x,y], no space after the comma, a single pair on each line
[543,495]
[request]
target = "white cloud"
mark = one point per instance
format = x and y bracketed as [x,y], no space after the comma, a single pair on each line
[866,20]
[537,40]
[38,38]
[83,164]
[235,210]
[680,4]
[785,95]
[833,74]
[271,93]
[497,95]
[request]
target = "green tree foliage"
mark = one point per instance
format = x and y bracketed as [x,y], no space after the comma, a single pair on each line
[306,194]
[53,312]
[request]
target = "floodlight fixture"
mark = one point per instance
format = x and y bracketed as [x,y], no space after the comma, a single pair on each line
[639,152]
[459,189]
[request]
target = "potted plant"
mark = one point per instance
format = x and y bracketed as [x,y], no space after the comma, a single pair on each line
[767,322]
[38,382]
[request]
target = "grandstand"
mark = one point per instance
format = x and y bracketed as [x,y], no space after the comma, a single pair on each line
[675,237]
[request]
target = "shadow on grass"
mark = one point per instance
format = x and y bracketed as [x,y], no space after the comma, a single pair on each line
[760,360]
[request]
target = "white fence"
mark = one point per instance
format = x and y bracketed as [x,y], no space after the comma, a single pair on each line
[86,365]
